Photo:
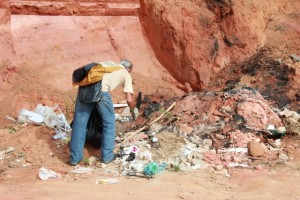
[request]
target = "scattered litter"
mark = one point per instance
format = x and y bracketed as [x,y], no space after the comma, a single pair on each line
[277,143]
[26,116]
[289,114]
[154,139]
[44,115]
[131,157]
[186,151]
[62,118]
[91,160]
[10,118]
[131,149]
[146,155]
[129,154]
[271,127]
[120,105]
[236,150]
[82,170]
[202,143]
[60,134]
[295,57]
[136,166]
[4,152]
[283,157]
[237,165]
[154,168]
[50,118]
[25,165]
[107,181]
[122,119]
[44,174]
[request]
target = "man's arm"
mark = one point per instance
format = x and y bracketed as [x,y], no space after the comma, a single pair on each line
[129,99]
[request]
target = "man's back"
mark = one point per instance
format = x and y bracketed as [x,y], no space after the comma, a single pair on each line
[115,79]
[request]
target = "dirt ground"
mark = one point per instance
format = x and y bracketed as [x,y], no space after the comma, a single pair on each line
[48,48]
[34,149]
[278,182]
[193,185]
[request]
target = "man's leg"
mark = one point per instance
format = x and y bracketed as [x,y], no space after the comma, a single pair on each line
[81,116]
[106,110]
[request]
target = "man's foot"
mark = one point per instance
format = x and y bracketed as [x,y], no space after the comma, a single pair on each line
[113,159]
[72,163]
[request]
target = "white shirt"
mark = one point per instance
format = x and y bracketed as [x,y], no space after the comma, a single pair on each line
[115,79]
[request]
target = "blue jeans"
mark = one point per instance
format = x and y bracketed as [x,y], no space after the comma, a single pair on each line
[81,117]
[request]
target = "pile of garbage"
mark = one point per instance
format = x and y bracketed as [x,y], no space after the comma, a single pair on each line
[51,117]
[218,130]
[215,129]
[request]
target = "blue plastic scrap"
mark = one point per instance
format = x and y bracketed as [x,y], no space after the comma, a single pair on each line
[154,168]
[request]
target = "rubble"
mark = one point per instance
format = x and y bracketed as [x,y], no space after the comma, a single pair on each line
[6,151]
[291,120]
[227,130]
[256,149]
[224,130]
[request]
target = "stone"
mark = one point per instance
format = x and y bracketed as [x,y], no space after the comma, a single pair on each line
[295,57]
[154,128]
[185,129]
[196,161]
[219,167]
[259,167]
[198,156]
[220,137]
[29,160]
[184,167]
[283,157]
[256,149]
[207,142]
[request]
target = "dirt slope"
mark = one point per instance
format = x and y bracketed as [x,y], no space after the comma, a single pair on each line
[194,40]
[48,48]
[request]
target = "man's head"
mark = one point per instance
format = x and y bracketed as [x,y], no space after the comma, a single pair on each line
[127,65]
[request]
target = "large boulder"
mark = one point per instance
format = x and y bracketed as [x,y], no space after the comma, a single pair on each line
[196,39]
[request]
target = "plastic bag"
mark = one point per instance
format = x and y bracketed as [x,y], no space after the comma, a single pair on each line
[94,129]
[154,168]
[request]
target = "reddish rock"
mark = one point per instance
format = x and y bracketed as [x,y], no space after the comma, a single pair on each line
[186,129]
[256,149]
[223,34]
[257,111]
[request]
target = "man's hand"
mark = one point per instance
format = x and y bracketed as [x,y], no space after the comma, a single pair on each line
[135,113]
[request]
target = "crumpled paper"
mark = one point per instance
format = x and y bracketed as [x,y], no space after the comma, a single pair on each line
[44,174]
